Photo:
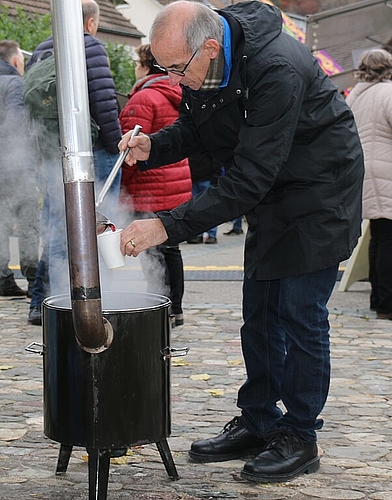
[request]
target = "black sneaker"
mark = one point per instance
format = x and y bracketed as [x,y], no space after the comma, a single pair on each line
[35,316]
[13,292]
[118,452]
[235,441]
[234,232]
[178,319]
[285,457]
[196,240]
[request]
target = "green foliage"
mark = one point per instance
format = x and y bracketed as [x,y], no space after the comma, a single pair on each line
[26,29]
[121,65]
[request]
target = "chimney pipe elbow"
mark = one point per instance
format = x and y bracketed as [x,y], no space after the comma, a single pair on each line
[93,332]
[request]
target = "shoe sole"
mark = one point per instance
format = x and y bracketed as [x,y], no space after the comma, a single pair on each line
[384,316]
[197,457]
[12,297]
[307,468]
[35,322]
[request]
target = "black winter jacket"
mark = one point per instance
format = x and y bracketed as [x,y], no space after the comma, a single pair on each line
[204,168]
[290,147]
[101,91]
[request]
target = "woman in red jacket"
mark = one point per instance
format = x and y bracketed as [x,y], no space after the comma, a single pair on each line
[153,104]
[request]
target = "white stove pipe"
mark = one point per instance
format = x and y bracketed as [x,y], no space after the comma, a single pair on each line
[93,332]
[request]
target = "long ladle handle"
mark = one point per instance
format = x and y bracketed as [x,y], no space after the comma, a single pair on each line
[115,169]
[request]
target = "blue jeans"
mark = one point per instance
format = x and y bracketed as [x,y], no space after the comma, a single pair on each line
[103,165]
[199,187]
[285,343]
[237,224]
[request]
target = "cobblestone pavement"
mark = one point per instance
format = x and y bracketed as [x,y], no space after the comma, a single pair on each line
[355,443]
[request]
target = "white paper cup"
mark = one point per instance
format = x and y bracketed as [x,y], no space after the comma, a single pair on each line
[109,248]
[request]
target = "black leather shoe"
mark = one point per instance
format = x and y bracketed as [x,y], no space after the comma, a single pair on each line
[13,291]
[234,442]
[285,457]
[384,316]
[35,316]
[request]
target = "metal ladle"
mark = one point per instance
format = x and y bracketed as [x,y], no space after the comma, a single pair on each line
[115,169]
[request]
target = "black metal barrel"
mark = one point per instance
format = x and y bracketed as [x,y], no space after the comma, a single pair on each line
[116,398]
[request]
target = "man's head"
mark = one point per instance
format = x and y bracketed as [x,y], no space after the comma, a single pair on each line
[11,53]
[185,38]
[90,10]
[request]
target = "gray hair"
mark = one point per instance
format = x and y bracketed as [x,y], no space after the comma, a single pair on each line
[374,66]
[8,49]
[90,8]
[204,24]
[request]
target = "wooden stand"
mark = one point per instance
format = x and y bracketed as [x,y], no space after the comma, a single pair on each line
[357,267]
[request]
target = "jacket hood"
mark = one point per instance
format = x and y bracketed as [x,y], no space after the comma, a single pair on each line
[260,22]
[7,69]
[159,82]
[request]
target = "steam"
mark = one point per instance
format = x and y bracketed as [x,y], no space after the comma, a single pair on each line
[145,273]
[19,195]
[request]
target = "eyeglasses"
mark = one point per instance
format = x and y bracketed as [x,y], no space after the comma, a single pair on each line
[175,71]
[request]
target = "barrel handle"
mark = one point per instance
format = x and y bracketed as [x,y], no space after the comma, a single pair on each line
[172,352]
[33,347]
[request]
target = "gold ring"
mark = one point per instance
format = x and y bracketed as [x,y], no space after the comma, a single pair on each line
[132,243]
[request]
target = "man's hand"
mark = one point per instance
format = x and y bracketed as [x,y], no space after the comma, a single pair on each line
[142,234]
[140,147]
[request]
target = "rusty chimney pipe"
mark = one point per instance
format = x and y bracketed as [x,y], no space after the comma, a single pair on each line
[93,332]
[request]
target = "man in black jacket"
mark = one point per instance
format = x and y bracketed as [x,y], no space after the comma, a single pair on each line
[258,101]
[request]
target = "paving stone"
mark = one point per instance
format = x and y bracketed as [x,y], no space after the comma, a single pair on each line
[355,443]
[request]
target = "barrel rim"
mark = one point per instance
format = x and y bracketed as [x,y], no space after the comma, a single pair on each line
[163,301]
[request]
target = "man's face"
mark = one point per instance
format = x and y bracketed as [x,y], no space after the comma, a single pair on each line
[171,55]
[19,63]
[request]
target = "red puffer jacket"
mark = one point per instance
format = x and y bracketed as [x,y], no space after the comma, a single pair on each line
[153,104]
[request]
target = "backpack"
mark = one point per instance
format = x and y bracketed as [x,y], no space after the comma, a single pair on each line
[40,95]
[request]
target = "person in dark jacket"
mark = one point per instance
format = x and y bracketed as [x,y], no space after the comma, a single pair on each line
[153,104]
[104,110]
[257,99]
[205,171]
[18,190]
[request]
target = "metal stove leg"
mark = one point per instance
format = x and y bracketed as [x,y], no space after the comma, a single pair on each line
[98,473]
[167,459]
[63,460]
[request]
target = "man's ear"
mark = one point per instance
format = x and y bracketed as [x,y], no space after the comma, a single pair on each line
[14,61]
[212,46]
[89,25]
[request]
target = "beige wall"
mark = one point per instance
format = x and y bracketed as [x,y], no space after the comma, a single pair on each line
[141,13]
[132,42]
